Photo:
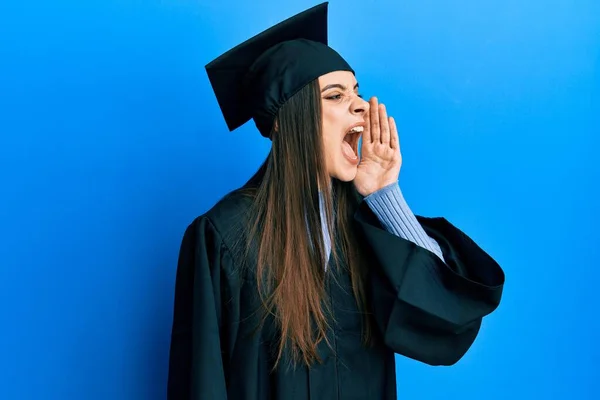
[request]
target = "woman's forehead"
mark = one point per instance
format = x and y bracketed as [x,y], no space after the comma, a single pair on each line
[345,78]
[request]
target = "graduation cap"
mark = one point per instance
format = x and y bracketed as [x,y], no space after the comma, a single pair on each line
[255,78]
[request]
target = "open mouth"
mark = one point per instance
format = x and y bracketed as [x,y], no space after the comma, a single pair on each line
[350,143]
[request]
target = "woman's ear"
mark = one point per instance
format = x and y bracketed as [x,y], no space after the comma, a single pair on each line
[276,126]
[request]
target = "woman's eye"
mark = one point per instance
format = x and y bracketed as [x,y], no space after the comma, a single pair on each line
[339,96]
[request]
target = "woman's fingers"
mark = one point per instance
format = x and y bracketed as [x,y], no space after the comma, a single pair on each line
[384,126]
[366,135]
[394,138]
[380,127]
[374,117]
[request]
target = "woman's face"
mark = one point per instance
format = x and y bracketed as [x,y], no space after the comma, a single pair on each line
[343,122]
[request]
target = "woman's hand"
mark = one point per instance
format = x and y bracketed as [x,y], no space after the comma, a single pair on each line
[380,151]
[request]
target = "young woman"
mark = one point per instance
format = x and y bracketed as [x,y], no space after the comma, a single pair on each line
[304,283]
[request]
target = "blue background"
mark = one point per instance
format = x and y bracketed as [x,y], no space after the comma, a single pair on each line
[111,142]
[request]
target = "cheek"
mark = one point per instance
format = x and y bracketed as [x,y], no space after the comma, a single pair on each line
[331,143]
[331,129]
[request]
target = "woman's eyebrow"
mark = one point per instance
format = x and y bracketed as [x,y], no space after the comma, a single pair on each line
[337,85]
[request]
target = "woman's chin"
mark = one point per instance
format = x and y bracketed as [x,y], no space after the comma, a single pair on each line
[345,173]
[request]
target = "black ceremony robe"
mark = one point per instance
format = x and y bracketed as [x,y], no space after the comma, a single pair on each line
[424,309]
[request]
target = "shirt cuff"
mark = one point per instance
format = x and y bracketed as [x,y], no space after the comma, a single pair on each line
[393,212]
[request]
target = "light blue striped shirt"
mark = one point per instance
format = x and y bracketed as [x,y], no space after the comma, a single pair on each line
[390,207]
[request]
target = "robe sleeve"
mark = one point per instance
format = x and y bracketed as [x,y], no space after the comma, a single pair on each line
[427,309]
[202,333]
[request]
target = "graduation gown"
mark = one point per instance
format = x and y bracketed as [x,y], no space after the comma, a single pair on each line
[423,308]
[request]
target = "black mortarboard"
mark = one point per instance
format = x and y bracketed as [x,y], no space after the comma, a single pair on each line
[254,79]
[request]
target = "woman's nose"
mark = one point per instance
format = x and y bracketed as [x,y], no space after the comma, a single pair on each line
[360,106]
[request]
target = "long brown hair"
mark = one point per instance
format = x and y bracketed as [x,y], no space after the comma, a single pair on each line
[286,229]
